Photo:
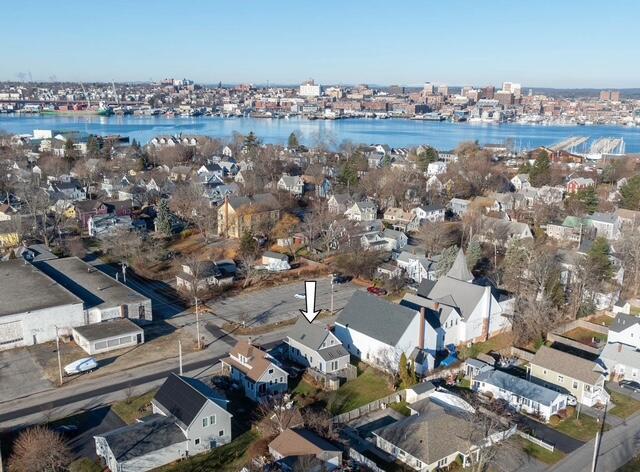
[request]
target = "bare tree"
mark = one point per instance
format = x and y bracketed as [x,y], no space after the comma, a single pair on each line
[39,449]
[279,414]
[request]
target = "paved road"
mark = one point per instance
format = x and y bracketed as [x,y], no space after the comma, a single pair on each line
[618,446]
[279,303]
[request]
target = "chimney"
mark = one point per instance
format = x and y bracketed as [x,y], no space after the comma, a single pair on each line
[436,306]
[619,347]
[421,333]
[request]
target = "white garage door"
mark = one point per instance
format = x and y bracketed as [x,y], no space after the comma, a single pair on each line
[10,332]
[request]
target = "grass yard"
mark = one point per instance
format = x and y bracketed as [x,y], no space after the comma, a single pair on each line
[370,385]
[631,466]
[401,407]
[496,343]
[624,406]
[136,407]
[540,453]
[585,336]
[228,458]
[583,429]
[603,320]
[304,389]
[84,465]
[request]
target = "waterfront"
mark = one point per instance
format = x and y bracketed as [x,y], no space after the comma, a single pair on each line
[395,132]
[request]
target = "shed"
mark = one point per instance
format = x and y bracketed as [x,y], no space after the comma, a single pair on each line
[108,335]
[420,391]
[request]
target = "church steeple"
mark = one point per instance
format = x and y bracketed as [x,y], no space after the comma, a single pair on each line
[459,269]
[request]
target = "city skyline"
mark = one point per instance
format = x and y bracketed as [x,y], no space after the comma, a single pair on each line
[334,43]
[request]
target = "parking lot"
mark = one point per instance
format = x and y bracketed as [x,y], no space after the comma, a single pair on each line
[20,375]
[276,304]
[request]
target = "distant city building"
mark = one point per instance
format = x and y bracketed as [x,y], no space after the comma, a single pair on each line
[488,92]
[504,97]
[310,89]
[443,90]
[427,89]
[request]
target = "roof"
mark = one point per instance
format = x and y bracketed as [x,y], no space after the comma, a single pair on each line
[422,387]
[313,335]
[299,441]
[452,292]
[567,364]
[184,397]
[459,270]
[434,433]
[618,353]
[377,318]
[521,387]
[258,360]
[154,433]
[93,286]
[25,289]
[275,255]
[623,321]
[264,201]
[108,329]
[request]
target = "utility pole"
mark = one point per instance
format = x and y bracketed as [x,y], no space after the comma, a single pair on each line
[331,293]
[179,356]
[596,446]
[124,272]
[197,324]
[59,360]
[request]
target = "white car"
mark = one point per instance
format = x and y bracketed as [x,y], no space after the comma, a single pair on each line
[86,364]
[571,400]
[300,296]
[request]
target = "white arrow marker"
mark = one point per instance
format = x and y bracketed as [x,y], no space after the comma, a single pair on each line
[310,294]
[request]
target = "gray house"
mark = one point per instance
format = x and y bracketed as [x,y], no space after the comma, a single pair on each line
[315,346]
[188,418]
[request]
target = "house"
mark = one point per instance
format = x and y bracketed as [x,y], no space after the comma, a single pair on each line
[385,240]
[621,361]
[432,213]
[164,141]
[417,267]
[377,331]
[211,274]
[362,211]
[459,206]
[100,227]
[469,312]
[337,204]
[6,212]
[625,329]
[401,220]
[315,346]
[275,262]
[435,437]
[436,168]
[607,225]
[569,374]
[388,270]
[301,449]
[258,374]
[579,183]
[520,394]
[210,170]
[292,184]
[520,182]
[320,185]
[502,232]
[434,185]
[188,418]
[239,214]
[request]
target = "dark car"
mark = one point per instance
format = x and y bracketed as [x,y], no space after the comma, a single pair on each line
[341,279]
[630,384]
[66,429]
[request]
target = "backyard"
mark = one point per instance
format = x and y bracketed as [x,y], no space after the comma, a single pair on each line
[133,408]
[625,406]
[582,429]
[370,385]
[586,336]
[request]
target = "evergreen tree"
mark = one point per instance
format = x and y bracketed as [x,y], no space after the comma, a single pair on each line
[540,173]
[474,253]
[587,198]
[248,245]
[293,141]
[447,258]
[598,261]
[427,156]
[163,220]
[631,194]
[348,175]
[93,148]
[406,372]
[251,141]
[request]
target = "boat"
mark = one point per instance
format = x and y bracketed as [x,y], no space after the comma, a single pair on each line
[105,110]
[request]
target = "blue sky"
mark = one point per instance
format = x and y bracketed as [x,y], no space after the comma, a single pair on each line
[567,43]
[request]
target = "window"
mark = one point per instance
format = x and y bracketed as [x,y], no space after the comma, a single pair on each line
[560,379]
[281,379]
[221,432]
[575,384]
[205,422]
[544,371]
[212,420]
[271,371]
[442,462]
[196,441]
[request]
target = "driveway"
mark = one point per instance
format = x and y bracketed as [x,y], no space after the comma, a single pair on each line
[624,391]
[275,304]
[561,441]
[20,375]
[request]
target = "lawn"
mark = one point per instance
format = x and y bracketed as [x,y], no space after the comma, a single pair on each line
[304,389]
[582,429]
[496,343]
[84,465]
[370,385]
[631,466]
[624,406]
[540,453]
[228,458]
[136,407]
[585,336]
[401,407]
[603,320]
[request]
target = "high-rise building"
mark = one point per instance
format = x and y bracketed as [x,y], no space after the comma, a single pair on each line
[443,90]
[428,88]
[515,89]
[615,95]
[488,92]
[504,97]
[310,89]
[605,95]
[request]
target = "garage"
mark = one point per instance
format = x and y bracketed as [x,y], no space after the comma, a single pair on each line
[11,332]
[108,336]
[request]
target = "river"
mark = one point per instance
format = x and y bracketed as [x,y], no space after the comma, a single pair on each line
[394,132]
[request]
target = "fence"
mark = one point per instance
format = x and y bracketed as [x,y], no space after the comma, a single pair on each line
[581,323]
[539,442]
[442,373]
[522,353]
[369,407]
[356,456]
[332,381]
[558,338]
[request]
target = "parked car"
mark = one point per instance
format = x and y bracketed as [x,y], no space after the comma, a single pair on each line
[571,400]
[377,291]
[300,296]
[66,429]
[341,279]
[631,385]
[86,364]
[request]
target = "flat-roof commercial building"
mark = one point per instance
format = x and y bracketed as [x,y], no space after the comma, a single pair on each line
[108,336]
[32,305]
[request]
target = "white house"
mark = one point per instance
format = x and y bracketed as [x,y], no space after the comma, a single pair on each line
[362,211]
[416,267]
[436,168]
[275,261]
[432,213]
[459,206]
[520,181]
[292,184]
[520,394]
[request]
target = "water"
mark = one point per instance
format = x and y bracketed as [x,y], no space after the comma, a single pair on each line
[395,132]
